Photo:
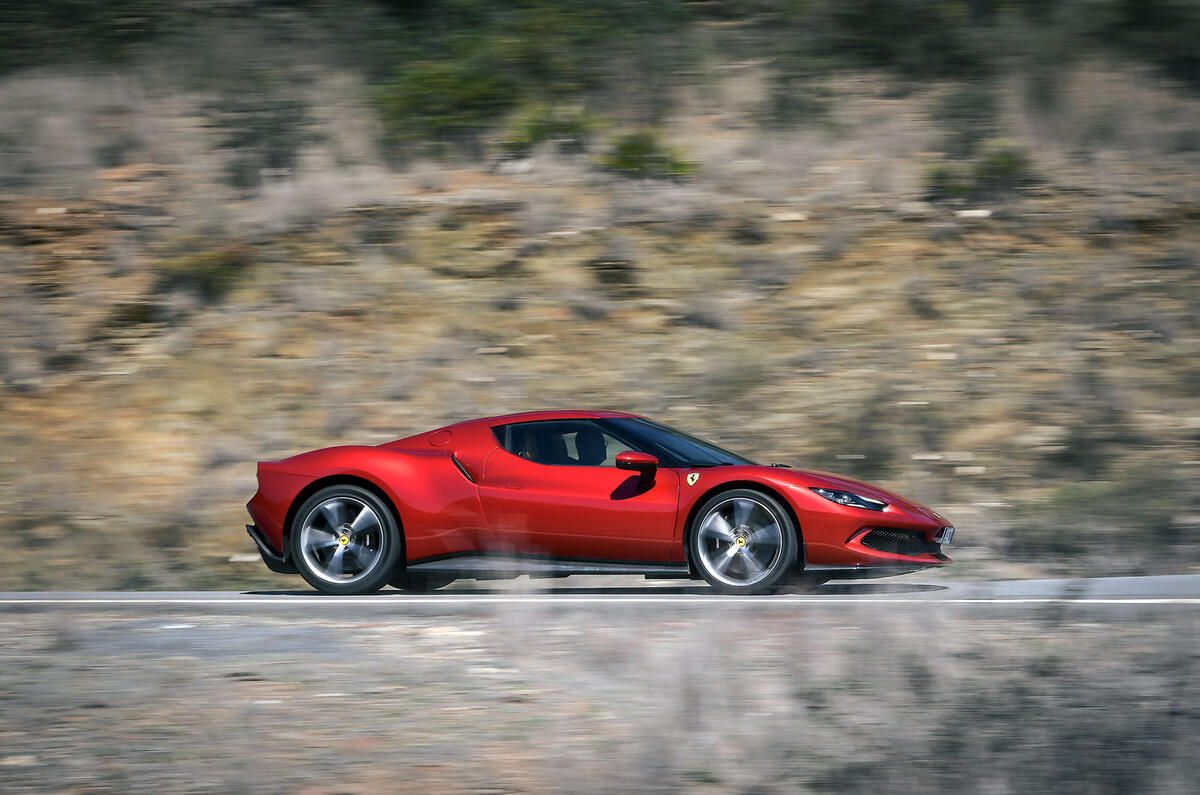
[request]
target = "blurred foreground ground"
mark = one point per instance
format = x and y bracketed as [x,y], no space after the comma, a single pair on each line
[546,698]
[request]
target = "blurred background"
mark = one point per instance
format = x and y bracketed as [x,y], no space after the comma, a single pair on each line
[949,246]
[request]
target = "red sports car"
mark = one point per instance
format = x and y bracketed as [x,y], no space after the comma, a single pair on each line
[555,493]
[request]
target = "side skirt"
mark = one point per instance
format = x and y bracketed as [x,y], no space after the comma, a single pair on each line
[491,567]
[861,572]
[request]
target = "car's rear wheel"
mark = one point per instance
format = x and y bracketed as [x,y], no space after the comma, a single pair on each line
[743,541]
[419,583]
[345,540]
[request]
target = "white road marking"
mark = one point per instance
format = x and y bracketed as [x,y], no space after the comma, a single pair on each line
[550,599]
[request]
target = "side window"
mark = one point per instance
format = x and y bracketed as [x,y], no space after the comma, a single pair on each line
[561,443]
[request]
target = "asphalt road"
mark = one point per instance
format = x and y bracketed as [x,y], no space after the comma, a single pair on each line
[1174,590]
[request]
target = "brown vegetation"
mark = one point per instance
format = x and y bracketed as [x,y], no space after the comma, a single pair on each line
[183,293]
[519,698]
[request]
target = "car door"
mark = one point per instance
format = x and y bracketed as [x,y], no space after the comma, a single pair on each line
[553,489]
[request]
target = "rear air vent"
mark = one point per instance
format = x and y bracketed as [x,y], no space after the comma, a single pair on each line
[899,542]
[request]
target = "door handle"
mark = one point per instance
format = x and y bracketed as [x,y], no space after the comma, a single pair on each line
[513,486]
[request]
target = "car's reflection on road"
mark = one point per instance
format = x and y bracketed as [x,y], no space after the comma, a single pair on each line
[530,588]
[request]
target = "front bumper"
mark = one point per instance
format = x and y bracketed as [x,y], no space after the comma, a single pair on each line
[899,547]
[886,552]
[846,551]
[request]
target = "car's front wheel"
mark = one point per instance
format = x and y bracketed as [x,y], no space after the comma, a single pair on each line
[743,541]
[345,540]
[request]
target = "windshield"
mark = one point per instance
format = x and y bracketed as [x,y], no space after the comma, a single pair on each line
[673,448]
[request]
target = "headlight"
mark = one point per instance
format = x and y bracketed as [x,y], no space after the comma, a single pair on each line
[851,499]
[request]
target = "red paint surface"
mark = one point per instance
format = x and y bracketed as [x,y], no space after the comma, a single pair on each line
[602,513]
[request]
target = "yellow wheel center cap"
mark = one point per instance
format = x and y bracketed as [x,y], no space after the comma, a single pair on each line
[344,540]
[740,541]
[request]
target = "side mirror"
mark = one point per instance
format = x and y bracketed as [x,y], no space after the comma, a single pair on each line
[644,463]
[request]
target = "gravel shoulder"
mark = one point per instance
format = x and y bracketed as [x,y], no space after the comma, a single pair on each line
[539,697]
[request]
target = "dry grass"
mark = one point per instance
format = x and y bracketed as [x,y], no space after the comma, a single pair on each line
[794,299]
[537,698]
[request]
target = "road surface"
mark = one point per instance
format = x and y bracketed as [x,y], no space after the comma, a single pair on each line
[1173,590]
[605,685]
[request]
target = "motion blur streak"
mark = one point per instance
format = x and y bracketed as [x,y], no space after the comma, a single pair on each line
[947,247]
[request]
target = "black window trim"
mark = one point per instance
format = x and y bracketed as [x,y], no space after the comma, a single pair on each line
[666,458]
[503,434]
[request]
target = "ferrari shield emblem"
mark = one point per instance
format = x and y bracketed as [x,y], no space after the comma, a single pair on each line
[692,478]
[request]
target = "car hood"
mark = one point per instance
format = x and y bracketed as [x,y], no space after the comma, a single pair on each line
[815,478]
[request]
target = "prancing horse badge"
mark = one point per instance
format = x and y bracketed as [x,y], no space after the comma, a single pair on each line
[692,478]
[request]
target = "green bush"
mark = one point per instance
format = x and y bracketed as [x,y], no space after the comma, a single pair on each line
[445,101]
[1163,32]
[643,155]
[797,96]
[207,274]
[465,64]
[36,32]
[264,123]
[948,181]
[466,79]
[1002,166]
[568,126]
[916,37]
[968,116]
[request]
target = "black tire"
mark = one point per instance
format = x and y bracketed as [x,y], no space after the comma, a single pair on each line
[419,582]
[327,520]
[734,529]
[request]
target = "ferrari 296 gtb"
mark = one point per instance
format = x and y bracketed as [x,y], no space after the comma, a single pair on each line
[556,493]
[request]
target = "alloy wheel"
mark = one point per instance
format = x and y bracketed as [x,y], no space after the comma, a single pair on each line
[740,541]
[342,540]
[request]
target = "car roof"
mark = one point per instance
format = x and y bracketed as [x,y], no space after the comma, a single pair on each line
[505,419]
[534,416]
[563,414]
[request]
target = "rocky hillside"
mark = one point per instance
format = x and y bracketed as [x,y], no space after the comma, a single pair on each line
[1012,336]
